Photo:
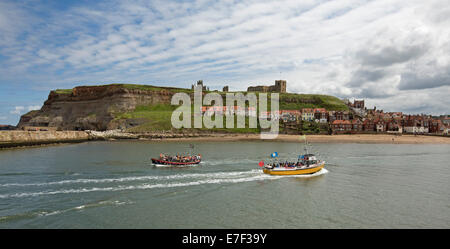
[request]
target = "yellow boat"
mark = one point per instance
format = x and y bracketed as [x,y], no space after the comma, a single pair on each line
[299,170]
[306,164]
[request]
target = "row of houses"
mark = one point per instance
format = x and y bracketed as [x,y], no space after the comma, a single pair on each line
[368,125]
[319,115]
[391,122]
[347,121]
[229,110]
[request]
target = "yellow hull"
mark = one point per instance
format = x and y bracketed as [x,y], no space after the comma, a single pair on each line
[294,172]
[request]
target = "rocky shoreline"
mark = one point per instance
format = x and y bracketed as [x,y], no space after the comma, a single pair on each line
[16,138]
[120,134]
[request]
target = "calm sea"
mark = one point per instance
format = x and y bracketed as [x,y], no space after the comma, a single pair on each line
[114,185]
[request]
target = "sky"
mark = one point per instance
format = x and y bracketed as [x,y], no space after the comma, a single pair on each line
[394,54]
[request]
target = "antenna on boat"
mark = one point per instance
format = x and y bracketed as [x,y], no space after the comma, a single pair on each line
[305,148]
[192,148]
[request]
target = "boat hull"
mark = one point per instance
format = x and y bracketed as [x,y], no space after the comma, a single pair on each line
[287,171]
[168,163]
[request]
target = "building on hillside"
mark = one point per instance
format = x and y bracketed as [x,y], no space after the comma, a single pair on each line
[394,126]
[395,114]
[307,114]
[357,125]
[331,116]
[270,115]
[445,130]
[436,126]
[225,110]
[280,87]
[358,104]
[320,115]
[380,125]
[342,115]
[200,83]
[341,126]
[369,125]
[290,115]
[415,124]
[445,119]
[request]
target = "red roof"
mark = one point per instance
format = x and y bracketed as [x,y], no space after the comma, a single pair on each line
[337,122]
[291,111]
[320,110]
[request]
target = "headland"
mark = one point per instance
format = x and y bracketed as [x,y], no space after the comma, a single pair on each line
[143,112]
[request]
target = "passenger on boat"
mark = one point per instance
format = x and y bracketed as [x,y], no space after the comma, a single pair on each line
[179,158]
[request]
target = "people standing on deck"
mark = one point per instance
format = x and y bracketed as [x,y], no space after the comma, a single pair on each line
[179,157]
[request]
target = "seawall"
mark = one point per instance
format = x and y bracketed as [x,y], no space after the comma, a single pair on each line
[28,138]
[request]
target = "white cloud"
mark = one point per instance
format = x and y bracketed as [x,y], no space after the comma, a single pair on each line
[378,50]
[34,107]
[17,110]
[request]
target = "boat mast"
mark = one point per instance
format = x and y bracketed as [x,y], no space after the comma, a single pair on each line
[306,148]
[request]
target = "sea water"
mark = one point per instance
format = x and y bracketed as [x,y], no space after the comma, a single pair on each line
[114,185]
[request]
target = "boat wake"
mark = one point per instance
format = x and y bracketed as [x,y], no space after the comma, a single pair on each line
[40,213]
[148,182]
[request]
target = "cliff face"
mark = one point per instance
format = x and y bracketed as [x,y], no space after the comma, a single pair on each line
[93,107]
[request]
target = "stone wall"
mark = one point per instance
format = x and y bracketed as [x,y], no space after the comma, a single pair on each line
[25,138]
[280,87]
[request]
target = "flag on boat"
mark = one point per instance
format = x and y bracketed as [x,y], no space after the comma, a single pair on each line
[275,154]
[261,164]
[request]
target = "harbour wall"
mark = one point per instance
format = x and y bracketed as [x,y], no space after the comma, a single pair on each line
[29,138]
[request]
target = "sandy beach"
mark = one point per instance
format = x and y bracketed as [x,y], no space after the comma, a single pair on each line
[356,138]
[24,138]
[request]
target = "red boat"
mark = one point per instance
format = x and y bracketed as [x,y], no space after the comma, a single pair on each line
[158,162]
[167,160]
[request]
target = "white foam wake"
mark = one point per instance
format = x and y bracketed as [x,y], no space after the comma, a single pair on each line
[214,178]
[33,214]
[134,178]
[137,187]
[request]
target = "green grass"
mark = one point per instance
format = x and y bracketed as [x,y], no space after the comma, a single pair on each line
[63,91]
[158,116]
[135,87]
[292,101]
[154,88]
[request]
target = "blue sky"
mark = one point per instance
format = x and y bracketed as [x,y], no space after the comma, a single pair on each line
[395,54]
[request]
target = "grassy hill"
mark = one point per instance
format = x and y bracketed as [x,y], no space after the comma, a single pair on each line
[139,108]
[158,116]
